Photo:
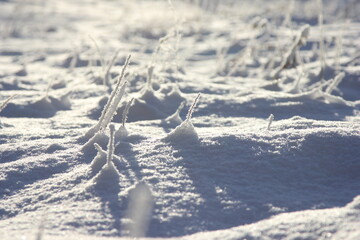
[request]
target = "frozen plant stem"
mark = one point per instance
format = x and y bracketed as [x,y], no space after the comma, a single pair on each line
[191,109]
[97,146]
[177,31]
[337,80]
[181,106]
[6,102]
[292,57]
[105,65]
[288,16]
[108,68]
[126,112]
[112,104]
[338,50]
[271,119]
[149,78]
[297,82]
[102,60]
[321,44]
[74,59]
[111,145]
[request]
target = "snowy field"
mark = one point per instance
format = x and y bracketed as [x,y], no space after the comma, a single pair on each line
[179,119]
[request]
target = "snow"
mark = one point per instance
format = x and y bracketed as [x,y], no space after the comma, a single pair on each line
[229,122]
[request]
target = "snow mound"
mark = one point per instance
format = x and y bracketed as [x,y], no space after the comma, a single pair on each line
[45,107]
[183,133]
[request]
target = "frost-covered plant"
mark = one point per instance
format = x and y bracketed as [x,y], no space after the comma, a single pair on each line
[169,45]
[158,48]
[15,21]
[112,104]
[108,172]
[148,89]
[338,51]
[149,77]
[295,88]
[185,132]
[74,59]
[191,109]
[258,22]
[239,60]
[288,16]
[335,82]
[291,58]
[126,112]
[236,64]
[101,56]
[270,119]
[106,65]
[122,131]
[220,59]
[111,145]
[321,44]
[317,92]
[6,102]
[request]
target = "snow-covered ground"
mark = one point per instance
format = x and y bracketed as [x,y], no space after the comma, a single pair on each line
[179,119]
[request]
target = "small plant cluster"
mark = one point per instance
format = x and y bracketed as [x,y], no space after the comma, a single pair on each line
[314,77]
[104,169]
[96,135]
[111,105]
[291,58]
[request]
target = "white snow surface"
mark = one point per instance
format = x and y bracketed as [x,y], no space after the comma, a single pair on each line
[229,172]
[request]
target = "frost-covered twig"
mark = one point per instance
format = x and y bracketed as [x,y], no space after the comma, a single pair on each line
[271,119]
[6,102]
[191,109]
[295,88]
[321,44]
[102,60]
[112,104]
[111,145]
[74,60]
[98,148]
[290,58]
[149,78]
[181,106]
[335,82]
[126,112]
[108,68]
[114,99]
[338,50]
